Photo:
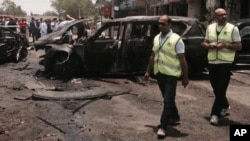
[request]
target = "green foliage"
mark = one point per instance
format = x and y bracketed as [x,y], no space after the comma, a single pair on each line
[75,8]
[10,8]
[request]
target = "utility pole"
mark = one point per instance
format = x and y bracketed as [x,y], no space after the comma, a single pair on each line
[101,10]
[79,12]
[112,9]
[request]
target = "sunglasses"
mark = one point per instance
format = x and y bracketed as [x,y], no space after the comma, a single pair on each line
[162,24]
[220,15]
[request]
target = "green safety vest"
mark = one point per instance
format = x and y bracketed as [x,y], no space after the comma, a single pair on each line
[224,36]
[166,60]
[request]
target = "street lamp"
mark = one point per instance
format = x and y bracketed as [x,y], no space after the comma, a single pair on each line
[79,11]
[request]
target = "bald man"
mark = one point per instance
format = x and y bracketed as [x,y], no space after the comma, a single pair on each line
[222,41]
[169,63]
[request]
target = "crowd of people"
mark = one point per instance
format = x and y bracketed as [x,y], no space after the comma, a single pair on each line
[15,24]
[39,27]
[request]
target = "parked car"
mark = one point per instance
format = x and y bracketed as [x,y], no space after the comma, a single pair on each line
[124,45]
[243,56]
[13,46]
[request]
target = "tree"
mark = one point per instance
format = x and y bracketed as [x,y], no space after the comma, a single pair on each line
[75,8]
[10,8]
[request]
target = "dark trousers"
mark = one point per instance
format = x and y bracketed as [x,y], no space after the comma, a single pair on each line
[167,85]
[219,75]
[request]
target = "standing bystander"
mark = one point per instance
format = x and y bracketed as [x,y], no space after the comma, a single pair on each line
[54,24]
[33,29]
[22,23]
[69,33]
[222,40]
[42,27]
[12,24]
[80,29]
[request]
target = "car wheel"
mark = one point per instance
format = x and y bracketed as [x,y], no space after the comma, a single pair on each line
[24,53]
[70,68]
[76,66]
[56,66]
[21,54]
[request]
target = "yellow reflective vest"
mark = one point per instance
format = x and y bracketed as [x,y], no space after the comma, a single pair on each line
[166,60]
[224,36]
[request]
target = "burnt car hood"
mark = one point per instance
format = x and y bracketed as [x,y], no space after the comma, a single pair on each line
[54,36]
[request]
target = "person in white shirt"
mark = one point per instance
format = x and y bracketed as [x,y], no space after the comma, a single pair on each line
[54,24]
[68,20]
[43,27]
[222,40]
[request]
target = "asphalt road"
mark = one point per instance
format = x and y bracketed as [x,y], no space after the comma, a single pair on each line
[131,116]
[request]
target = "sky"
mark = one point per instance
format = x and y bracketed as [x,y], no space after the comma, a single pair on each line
[34,6]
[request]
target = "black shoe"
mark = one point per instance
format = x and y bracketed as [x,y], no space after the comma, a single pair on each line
[224,112]
[175,120]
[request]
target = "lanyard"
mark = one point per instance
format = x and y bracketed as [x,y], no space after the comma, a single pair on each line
[161,45]
[218,32]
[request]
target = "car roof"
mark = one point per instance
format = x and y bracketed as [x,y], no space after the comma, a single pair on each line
[150,18]
[63,30]
[241,21]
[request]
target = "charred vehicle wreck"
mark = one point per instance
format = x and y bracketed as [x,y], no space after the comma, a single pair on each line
[60,37]
[13,46]
[123,45]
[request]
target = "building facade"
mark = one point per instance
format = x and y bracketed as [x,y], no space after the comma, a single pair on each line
[201,9]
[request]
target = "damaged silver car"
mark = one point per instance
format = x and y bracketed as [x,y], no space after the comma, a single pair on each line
[123,45]
[13,46]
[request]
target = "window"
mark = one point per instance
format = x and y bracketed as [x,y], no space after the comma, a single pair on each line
[179,28]
[245,31]
[110,32]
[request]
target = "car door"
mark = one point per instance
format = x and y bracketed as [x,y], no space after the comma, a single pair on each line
[138,45]
[243,55]
[101,49]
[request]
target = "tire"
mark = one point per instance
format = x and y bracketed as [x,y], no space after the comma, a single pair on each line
[24,53]
[71,68]
[52,62]
[21,54]
[76,66]
[56,67]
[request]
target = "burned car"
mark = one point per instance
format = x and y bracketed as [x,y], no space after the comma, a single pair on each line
[243,56]
[60,36]
[124,45]
[13,46]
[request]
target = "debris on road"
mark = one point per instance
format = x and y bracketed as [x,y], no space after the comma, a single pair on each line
[74,95]
[51,125]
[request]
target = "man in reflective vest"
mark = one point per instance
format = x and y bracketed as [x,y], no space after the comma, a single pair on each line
[169,62]
[222,40]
